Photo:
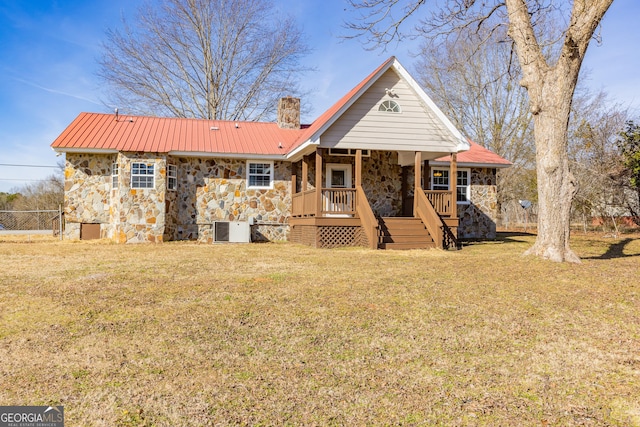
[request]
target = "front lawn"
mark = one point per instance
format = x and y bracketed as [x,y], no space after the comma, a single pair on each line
[185,334]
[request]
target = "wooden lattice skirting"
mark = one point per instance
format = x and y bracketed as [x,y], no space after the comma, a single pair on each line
[327,237]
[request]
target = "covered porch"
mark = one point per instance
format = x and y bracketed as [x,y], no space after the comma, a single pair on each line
[326,216]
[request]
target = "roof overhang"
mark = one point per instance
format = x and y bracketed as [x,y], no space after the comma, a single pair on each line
[470,164]
[85,150]
[302,150]
[202,154]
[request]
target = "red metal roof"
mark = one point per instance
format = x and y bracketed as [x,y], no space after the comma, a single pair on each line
[162,135]
[96,131]
[479,155]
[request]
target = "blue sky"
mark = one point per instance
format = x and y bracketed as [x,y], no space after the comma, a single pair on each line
[48,52]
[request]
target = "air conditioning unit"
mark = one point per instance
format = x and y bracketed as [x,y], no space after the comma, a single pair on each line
[231,232]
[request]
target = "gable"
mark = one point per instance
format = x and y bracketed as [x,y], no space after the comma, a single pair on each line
[352,122]
[415,128]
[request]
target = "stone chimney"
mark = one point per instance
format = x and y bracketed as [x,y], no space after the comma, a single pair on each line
[289,113]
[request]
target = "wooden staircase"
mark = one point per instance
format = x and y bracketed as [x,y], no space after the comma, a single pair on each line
[404,233]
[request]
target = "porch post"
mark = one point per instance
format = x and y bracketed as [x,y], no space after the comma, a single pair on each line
[305,173]
[318,182]
[453,184]
[417,179]
[426,175]
[358,168]
[294,178]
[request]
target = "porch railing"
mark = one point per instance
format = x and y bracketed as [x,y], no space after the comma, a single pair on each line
[430,218]
[304,203]
[335,201]
[441,200]
[338,201]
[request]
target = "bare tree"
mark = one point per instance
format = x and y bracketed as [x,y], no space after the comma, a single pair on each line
[214,59]
[475,83]
[593,130]
[628,176]
[44,194]
[550,64]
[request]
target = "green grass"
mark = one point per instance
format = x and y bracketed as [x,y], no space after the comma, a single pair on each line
[182,334]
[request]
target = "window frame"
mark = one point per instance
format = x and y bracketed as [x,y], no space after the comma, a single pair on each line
[440,186]
[147,166]
[270,174]
[390,106]
[115,176]
[172,177]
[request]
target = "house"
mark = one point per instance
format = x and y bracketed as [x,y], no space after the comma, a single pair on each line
[347,179]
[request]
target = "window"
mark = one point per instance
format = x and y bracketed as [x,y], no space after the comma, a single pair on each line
[142,175]
[114,176]
[172,177]
[462,186]
[389,106]
[347,152]
[440,181]
[259,174]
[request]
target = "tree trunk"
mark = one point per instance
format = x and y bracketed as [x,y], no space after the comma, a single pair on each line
[556,184]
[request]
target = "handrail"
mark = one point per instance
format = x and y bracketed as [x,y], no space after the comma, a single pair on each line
[367,218]
[430,218]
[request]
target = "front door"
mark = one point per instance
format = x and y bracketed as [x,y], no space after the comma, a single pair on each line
[338,203]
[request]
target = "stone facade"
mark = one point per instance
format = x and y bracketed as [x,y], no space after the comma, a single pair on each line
[87,192]
[211,190]
[139,214]
[478,218]
[382,182]
[125,215]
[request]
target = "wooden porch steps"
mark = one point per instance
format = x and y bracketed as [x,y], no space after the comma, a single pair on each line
[404,233]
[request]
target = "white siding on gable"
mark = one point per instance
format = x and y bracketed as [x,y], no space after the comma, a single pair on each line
[415,128]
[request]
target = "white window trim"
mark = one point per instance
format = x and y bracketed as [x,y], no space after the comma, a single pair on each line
[172,176]
[440,185]
[455,193]
[271,174]
[338,166]
[147,164]
[115,176]
[388,106]
[467,187]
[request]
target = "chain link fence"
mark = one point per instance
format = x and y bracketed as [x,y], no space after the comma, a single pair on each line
[513,216]
[39,220]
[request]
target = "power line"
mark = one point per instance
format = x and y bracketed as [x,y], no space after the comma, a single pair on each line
[25,179]
[28,166]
